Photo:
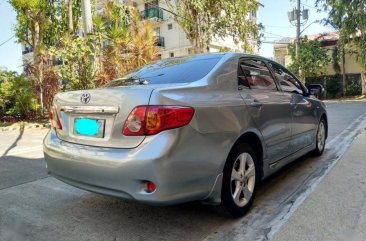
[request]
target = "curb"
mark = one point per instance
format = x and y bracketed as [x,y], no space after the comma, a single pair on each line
[31,126]
[346,100]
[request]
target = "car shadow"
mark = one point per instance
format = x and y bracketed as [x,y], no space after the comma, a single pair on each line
[16,170]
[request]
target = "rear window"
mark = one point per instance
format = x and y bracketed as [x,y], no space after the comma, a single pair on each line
[174,70]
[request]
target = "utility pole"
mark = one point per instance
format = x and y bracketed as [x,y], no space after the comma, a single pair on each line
[298,28]
[87,16]
[295,18]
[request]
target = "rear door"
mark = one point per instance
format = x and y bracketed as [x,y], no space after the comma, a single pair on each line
[303,111]
[269,108]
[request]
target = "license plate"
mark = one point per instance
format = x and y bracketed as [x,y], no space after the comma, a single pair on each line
[89,127]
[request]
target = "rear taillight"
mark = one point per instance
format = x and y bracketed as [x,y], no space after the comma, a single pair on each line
[55,121]
[150,120]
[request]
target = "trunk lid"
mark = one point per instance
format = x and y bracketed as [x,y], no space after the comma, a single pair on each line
[102,110]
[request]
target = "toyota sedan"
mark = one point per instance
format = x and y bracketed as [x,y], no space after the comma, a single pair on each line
[206,127]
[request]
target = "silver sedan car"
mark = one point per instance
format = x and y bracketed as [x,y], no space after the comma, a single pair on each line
[206,127]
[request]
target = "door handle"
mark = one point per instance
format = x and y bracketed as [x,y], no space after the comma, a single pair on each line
[256,104]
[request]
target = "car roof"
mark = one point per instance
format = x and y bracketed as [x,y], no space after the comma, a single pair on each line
[222,54]
[227,55]
[239,54]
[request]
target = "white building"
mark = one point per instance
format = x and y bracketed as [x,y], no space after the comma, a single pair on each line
[171,38]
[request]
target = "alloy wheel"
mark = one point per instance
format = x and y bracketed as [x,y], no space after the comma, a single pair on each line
[243,179]
[321,136]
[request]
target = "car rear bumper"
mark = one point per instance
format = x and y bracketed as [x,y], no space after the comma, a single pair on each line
[124,172]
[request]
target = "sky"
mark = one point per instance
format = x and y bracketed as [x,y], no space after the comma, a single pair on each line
[277,26]
[273,16]
[10,52]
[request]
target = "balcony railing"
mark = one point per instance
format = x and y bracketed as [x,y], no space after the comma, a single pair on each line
[27,50]
[160,42]
[153,13]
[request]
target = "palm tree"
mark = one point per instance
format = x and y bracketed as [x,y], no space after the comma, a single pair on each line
[131,41]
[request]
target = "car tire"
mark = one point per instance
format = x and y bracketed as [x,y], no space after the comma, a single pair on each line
[320,138]
[240,180]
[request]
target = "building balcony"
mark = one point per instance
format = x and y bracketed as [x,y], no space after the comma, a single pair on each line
[160,42]
[155,13]
[27,50]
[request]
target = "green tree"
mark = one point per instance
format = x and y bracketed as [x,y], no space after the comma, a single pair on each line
[41,24]
[16,94]
[349,18]
[130,41]
[77,70]
[312,59]
[203,20]
[5,76]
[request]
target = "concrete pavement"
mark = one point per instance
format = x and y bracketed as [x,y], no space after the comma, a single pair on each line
[336,210]
[35,206]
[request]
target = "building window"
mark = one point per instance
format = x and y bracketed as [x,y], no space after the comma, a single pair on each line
[253,14]
[157,31]
[171,54]
[170,26]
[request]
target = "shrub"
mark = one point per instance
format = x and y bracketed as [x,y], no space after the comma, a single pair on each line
[352,89]
[17,96]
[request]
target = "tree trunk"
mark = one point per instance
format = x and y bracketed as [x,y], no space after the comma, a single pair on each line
[37,61]
[343,72]
[302,75]
[71,23]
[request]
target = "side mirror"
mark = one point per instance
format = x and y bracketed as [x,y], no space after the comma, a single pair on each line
[317,90]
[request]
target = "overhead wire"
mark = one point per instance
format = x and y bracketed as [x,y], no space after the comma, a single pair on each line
[7,40]
[277,26]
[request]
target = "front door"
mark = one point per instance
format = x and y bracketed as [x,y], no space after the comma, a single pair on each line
[303,111]
[269,107]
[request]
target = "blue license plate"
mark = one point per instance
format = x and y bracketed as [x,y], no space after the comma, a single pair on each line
[89,127]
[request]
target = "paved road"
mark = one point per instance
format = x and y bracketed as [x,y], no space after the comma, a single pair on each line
[34,206]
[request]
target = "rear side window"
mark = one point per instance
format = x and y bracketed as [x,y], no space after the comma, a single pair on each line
[255,75]
[174,70]
[287,81]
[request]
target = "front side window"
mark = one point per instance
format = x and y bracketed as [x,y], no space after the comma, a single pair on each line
[254,74]
[287,81]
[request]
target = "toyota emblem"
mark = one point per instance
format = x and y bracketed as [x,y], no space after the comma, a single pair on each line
[85,98]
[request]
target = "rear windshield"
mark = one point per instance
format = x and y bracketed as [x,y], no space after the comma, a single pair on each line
[174,70]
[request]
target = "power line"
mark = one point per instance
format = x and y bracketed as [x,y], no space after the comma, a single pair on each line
[268,37]
[276,26]
[274,34]
[307,5]
[7,40]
